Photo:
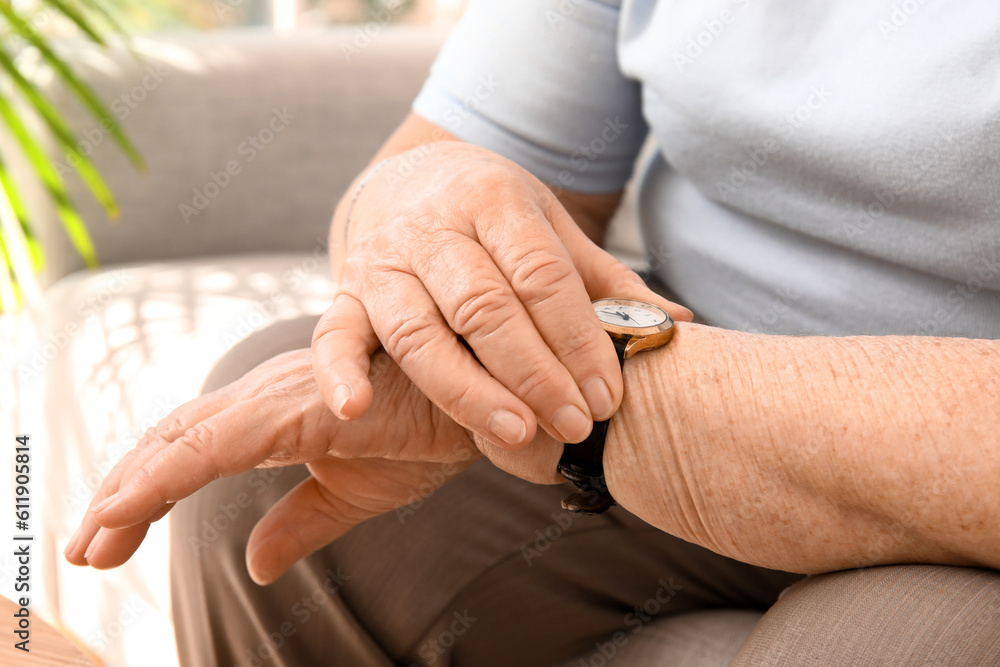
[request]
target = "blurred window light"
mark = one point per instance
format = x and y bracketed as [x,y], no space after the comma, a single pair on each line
[284,16]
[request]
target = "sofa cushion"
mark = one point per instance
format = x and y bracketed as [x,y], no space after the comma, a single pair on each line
[123,347]
[249,138]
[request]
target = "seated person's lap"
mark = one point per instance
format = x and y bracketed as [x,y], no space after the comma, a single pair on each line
[487,570]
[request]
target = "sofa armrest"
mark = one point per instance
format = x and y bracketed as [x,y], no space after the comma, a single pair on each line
[249,138]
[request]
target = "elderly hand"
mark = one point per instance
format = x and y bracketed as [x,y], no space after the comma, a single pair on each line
[450,238]
[274,416]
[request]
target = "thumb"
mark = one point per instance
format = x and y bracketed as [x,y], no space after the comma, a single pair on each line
[341,494]
[342,345]
[606,277]
[305,520]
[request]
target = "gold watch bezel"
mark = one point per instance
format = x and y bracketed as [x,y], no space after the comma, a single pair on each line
[637,339]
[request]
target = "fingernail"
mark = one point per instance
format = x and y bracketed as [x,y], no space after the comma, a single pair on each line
[71,545]
[106,503]
[598,397]
[507,426]
[94,545]
[341,395]
[571,423]
[258,571]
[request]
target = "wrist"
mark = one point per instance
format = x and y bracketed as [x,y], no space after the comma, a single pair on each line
[644,430]
[677,450]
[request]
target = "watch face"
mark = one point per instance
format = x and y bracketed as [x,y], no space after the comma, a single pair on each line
[640,325]
[629,313]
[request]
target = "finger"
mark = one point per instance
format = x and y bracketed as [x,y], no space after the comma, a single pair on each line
[112,547]
[161,436]
[415,334]
[534,261]
[230,442]
[90,540]
[537,463]
[480,305]
[79,544]
[603,275]
[303,521]
[310,516]
[173,426]
[343,343]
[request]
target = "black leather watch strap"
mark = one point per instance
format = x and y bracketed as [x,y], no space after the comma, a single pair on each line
[583,464]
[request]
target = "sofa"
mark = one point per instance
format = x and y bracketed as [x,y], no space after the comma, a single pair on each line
[248,140]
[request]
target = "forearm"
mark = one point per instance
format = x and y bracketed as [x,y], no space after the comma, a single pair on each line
[814,454]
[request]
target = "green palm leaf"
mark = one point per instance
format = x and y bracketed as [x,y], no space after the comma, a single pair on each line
[77,17]
[13,194]
[75,84]
[8,285]
[20,249]
[87,170]
[49,175]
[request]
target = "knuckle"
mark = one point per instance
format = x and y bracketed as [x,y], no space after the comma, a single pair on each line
[581,341]
[540,378]
[408,336]
[143,478]
[622,278]
[540,274]
[198,439]
[462,403]
[148,438]
[482,312]
[172,423]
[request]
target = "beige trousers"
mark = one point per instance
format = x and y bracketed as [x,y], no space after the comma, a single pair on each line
[464,580]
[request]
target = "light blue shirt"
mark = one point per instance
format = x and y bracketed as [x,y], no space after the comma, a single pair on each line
[822,167]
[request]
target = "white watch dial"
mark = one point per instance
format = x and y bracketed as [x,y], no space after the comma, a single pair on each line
[629,315]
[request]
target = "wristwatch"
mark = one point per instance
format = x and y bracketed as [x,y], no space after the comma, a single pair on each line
[633,326]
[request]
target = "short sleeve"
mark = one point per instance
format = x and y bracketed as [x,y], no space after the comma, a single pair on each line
[538,81]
